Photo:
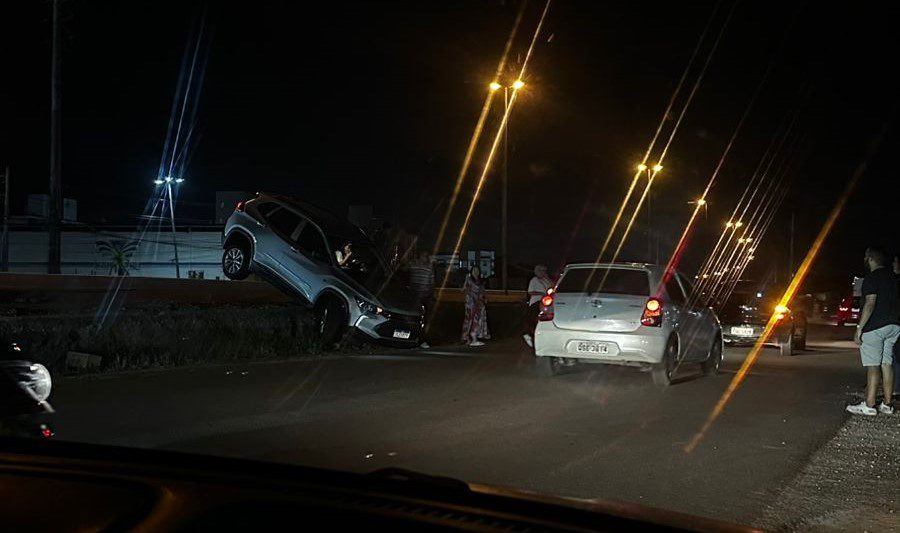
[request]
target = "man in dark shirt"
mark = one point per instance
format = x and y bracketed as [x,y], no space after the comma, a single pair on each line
[877,332]
[897,344]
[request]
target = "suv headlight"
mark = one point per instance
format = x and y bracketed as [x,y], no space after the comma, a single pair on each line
[368,307]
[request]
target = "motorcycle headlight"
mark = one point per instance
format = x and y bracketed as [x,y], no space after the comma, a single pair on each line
[368,307]
[40,382]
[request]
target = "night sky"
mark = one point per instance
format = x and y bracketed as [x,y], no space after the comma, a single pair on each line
[374,102]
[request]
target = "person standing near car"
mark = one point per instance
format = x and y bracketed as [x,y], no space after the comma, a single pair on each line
[537,288]
[877,332]
[421,283]
[896,365]
[475,321]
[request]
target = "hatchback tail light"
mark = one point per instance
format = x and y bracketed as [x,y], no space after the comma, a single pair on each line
[652,315]
[546,312]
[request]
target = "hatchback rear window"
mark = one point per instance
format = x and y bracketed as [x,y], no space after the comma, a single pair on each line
[613,280]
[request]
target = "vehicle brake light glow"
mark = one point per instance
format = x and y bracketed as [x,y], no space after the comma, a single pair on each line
[652,315]
[239,206]
[546,312]
[46,432]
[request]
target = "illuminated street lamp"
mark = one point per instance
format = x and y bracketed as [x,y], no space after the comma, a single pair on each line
[729,224]
[167,181]
[701,201]
[496,86]
[642,167]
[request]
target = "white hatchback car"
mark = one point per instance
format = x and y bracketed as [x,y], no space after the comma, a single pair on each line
[625,314]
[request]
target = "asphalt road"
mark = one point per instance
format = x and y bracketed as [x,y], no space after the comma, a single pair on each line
[482,416]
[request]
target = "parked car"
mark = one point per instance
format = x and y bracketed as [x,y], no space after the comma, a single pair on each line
[24,389]
[848,311]
[745,315]
[625,314]
[326,263]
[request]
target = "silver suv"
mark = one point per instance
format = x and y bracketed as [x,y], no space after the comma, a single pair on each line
[326,263]
[625,314]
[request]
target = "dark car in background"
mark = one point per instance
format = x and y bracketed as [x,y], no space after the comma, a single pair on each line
[745,315]
[848,311]
[24,389]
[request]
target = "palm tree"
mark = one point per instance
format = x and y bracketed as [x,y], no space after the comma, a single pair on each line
[119,253]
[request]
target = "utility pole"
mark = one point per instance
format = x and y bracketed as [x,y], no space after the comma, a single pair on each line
[53,256]
[504,202]
[4,245]
[791,250]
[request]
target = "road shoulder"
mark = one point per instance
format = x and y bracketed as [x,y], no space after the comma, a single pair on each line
[850,483]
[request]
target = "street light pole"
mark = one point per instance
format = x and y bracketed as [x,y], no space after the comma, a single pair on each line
[53,237]
[504,227]
[4,251]
[172,220]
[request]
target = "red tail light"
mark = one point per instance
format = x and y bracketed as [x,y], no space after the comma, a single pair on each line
[652,315]
[239,206]
[546,312]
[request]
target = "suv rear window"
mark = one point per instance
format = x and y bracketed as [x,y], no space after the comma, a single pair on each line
[618,281]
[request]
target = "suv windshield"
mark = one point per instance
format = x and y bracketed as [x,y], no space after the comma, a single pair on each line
[605,280]
[360,260]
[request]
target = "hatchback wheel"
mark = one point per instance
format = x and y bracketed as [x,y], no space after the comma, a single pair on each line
[236,261]
[663,371]
[547,366]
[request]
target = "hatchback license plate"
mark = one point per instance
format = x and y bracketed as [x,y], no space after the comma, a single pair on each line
[743,332]
[592,347]
[401,334]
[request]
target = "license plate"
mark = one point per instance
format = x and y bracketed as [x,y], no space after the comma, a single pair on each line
[742,332]
[592,347]
[401,334]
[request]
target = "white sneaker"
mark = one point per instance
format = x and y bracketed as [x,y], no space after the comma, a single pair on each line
[862,409]
[475,344]
[528,340]
[885,409]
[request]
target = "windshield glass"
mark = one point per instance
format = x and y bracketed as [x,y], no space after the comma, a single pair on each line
[391,236]
[605,280]
[360,260]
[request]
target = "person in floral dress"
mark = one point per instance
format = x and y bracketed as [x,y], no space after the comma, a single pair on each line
[475,325]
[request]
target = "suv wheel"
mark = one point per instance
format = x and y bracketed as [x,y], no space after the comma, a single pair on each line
[714,359]
[330,320]
[236,260]
[663,371]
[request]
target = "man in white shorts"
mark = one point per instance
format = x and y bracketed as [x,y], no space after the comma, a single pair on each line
[877,333]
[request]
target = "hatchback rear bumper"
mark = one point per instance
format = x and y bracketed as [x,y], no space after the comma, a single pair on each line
[644,345]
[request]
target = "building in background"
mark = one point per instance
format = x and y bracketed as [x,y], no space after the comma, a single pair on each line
[107,251]
[38,205]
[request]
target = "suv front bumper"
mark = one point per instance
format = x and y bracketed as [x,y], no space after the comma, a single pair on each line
[392,330]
